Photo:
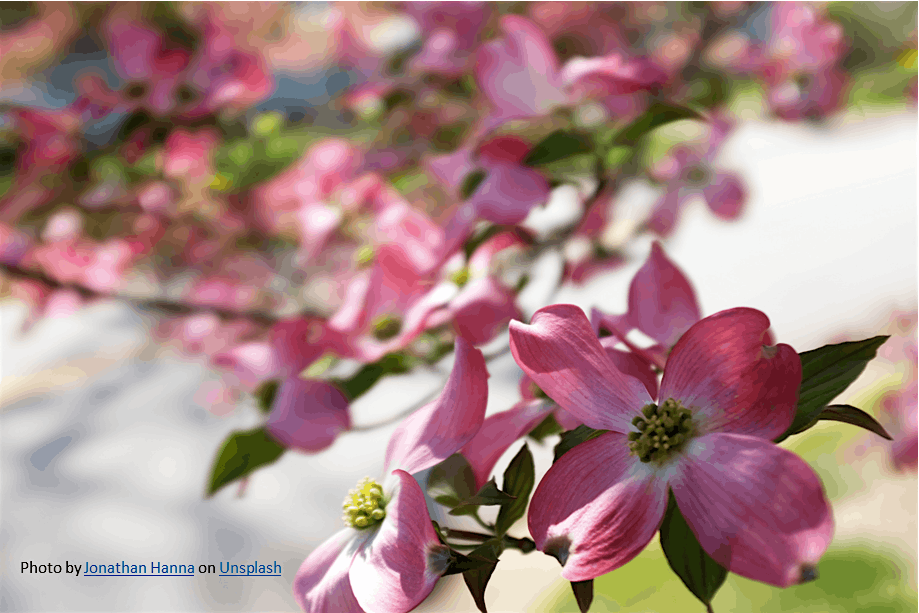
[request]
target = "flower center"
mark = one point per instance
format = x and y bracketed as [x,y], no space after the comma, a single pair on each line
[697,175]
[386,327]
[364,505]
[662,431]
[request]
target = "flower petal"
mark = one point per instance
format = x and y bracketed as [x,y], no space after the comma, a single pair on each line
[597,507]
[631,365]
[561,353]
[726,195]
[667,211]
[322,584]
[437,430]
[481,309]
[308,414]
[392,572]
[662,303]
[732,382]
[499,431]
[757,509]
[508,193]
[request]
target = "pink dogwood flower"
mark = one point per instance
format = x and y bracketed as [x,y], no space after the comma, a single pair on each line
[756,509]
[388,558]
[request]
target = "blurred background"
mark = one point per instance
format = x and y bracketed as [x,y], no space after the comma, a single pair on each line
[107,445]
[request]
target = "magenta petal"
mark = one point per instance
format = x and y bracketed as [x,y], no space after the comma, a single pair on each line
[726,195]
[721,370]
[322,584]
[632,365]
[561,353]
[662,303]
[667,211]
[499,431]
[757,509]
[508,193]
[393,571]
[308,415]
[597,507]
[482,308]
[437,430]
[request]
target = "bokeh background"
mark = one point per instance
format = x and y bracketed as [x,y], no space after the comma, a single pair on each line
[106,448]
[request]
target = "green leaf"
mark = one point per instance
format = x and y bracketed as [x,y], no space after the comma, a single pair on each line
[695,568]
[488,494]
[851,415]
[825,373]
[366,377]
[477,580]
[557,146]
[546,427]
[657,115]
[471,183]
[573,438]
[265,394]
[519,479]
[583,593]
[240,455]
[480,237]
[451,481]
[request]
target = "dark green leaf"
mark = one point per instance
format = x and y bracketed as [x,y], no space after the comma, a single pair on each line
[825,373]
[583,593]
[519,479]
[557,146]
[572,438]
[366,377]
[488,494]
[265,395]
[451,482]
[241,454]
[477,559]
[471,183]
[698,571]
[480,237]
[657,115]
[856,417]
[546,427]
[477,580]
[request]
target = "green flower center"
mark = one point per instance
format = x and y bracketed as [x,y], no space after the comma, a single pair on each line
[663,430]
[364,506]
[460,277]
[386,327]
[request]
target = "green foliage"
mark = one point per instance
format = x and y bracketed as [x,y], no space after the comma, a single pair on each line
[657,115]
[451,481]
[488,494]
[240,455]
[546,427]
[519,479]
[477,579]
[366,377]
[825,373]
[695,568]
[559,145]
[265,394]
[573,438]
[856,417]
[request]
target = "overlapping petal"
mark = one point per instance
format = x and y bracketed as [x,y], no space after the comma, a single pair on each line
[439,429]
[322,584]
[726,195]
[561,353]
[391,572]
[732,382]
[597,507]
[757,509]
[307,414]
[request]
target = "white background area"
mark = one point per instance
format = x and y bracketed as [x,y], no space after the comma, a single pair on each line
[111,466]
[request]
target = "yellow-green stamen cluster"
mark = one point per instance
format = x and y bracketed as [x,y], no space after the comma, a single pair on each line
[460,277]
[662,430]
[386,327]
[364,505]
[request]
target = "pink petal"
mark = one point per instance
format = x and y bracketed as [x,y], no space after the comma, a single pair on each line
[392,572]
[439,429]
[632,365]
[508,193]
[298,343]
[597,507]
[481,309]
[322,584]
[317,223]
[561,353]
[251,363]
[519,72]
[662,303]
[667,211]
[308,415]
[733,383]
[757,509]
[726,195]
[499,431]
